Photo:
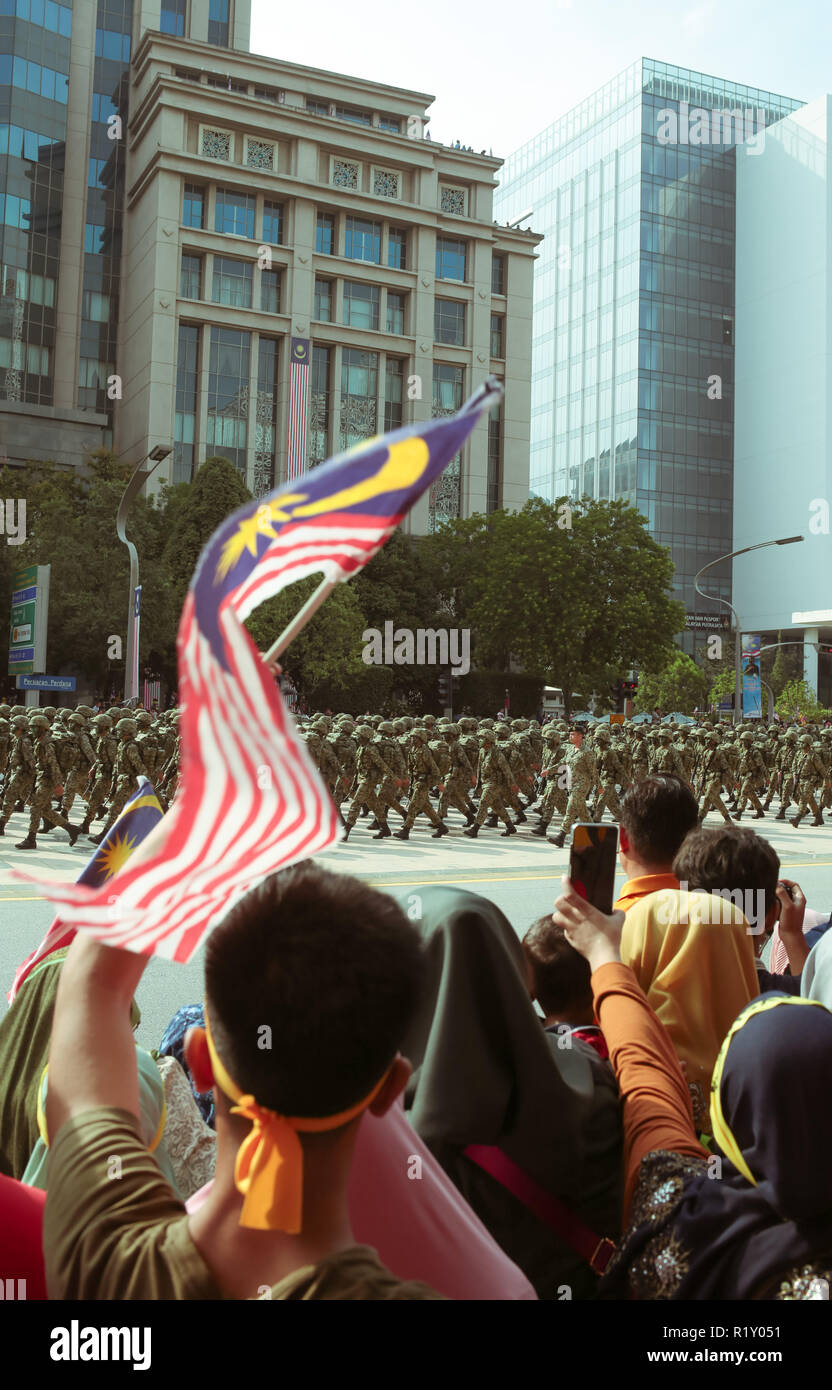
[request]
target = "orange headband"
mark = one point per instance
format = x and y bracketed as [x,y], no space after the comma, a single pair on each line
[269,1166]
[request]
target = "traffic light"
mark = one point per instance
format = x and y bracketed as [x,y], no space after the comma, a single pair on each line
[444,687]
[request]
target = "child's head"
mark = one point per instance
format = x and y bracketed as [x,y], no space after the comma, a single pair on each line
[310,984]
[558,976]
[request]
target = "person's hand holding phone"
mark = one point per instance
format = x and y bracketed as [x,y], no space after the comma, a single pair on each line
[792,909]
[594,935]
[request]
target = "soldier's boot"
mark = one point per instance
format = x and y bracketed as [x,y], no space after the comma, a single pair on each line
[365,810]
[376,825]
[795,821]
[558,839]
[541,828]
[491,821]
[521,818]
[738,815]
[818,820]
[2,827]
[345,836]
[470,816]
[759,815]
[74,832]
[45,828]
[441,829]
[781,814]
[510,829]
[403,834]
[96,839]
[84,827]
[384,833]
[472,831]
[19,806]
[29,843]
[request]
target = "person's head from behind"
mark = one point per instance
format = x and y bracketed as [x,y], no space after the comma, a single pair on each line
[737,864]
[558,975]
[310,983]
[657,813]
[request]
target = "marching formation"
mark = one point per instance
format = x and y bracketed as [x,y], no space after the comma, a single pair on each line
[490,772]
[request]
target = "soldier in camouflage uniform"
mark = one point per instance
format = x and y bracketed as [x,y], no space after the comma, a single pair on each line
[668,760]
[20,779]
[129,768]
[47,778]
[345,749]
[5,741]
[640,754]
[809,774]
[394,784]
[555,795]
[517,767]
[785,766]
[458,780]
[581,773]
[750,769]
[79,776]
[687,752]
[371,769]
[610,771]
[106,751]
[715,767]
[424,774]
[495,776]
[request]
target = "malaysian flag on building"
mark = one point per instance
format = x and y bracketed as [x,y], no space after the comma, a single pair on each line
[298,407]
[251,801]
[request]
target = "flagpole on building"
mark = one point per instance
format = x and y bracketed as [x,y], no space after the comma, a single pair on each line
[300,619]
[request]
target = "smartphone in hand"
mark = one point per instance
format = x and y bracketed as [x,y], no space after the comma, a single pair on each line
[592,861]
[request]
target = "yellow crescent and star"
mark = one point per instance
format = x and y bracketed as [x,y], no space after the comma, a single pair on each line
[113,856]
[404,466]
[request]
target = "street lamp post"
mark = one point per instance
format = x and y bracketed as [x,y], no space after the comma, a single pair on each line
[135,485]
[785,540]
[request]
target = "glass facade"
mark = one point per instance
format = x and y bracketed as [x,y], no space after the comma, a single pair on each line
[228,389]
[634,301]
[187,380]
[359,393]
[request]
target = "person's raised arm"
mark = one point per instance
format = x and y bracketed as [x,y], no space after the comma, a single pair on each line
[657,1112]
[92,1054]
[792,910]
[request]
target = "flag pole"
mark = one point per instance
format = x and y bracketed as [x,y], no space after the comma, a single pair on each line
[300,619]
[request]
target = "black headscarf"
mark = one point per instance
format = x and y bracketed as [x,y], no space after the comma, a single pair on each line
[485,1072]
[732,1238]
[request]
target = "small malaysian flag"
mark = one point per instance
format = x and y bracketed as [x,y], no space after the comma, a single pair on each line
[298,407]
[151,690]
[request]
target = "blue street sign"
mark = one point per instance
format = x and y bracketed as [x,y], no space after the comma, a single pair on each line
[46,683]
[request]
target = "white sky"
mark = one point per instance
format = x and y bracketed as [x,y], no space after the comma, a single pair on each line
[502,71]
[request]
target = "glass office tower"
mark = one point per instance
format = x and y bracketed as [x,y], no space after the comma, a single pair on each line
[632,359]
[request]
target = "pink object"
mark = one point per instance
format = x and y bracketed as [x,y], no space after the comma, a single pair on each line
[404,1205]
[778,961]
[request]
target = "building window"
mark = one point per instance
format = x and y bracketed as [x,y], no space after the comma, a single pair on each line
[273,223]
[395,311]
[226,84]
[450,258]
[96,307]
[448,385]
[359,393]
[172,19]
[193,213]
[319,399]
[445,494]
[386,183]
[498,329]
[94,239]
[449,322]
[391,123]
[190,279]
[452,200]
[215,144]
[275,94]
[265,418]
[397,248]
[228,378]
[495,458]
[317,108]
[232,282]
[270,286]
[352,113]
[362,241]
[325,234]
[361,304]
[184,426]
[92,378]
[234,212]
[498,273]
[345,174]
[218,22]
[393,392]
[260,154]
[323,300]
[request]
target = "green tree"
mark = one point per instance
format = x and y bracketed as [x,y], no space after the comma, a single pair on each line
[681,686]
[196,510]
[579,593]
[798,698]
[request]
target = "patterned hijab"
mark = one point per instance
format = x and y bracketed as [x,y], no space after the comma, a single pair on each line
[731,1238]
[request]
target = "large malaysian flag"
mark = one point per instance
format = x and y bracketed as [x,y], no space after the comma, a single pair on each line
[251,800]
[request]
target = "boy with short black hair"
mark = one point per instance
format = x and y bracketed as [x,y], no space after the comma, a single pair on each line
[559,980]
[311,981]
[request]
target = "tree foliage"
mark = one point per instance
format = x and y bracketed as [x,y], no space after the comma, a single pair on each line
[680,687]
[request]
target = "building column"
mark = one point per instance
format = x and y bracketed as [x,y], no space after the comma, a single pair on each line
[810,658]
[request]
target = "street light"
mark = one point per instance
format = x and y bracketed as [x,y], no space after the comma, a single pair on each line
[761,545]
[135,485]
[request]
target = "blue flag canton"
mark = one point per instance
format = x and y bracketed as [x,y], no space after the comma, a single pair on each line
[141,813]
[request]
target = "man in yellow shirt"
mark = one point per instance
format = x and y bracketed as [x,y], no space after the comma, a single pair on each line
[657,814]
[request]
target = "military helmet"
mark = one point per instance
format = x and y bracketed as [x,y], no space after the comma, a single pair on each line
[805,740]
[503,732]
[363,733]
[77,721]
[126,728]
[420,734]
[386,727]
[18,709]
[5,711]
[399,726]
[550,734]
[791,734]
[39,721]
[115,712]
[85,710]
[487,736]
[49,710]
[4,723]
[602,734]
[102,721]
[746,736]
[518,725]
[144,719]
[19,721]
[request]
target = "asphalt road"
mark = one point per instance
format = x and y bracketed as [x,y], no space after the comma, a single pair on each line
[520,874]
